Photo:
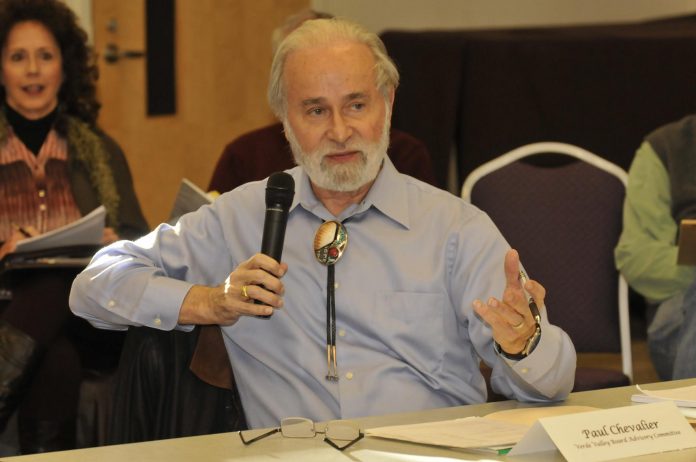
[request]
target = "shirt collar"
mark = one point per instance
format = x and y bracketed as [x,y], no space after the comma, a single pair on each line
[388,194]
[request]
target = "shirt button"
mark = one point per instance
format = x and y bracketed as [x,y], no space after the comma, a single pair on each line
[42,193]
[42,207]
[341,333]
[111,304]
[158,321]
[349,375]
[524,370]
[336,284]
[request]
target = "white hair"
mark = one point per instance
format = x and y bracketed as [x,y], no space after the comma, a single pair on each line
[324,32]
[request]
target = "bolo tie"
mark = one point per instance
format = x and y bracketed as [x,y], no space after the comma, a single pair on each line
[330,242]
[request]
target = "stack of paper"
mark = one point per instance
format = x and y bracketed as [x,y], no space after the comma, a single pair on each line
[683,397]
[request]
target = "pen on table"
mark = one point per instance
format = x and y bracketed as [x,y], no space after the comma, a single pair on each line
[24,232]
[532,304]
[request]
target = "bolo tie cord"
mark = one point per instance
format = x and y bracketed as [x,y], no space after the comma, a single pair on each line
[332,373]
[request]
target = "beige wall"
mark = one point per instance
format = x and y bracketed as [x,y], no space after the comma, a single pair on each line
[223,56]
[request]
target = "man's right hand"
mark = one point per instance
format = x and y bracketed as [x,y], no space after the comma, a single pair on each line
[258,278]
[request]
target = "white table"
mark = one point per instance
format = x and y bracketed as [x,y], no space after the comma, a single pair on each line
[227,446]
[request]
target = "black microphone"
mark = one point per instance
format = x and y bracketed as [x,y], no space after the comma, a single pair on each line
[280,190]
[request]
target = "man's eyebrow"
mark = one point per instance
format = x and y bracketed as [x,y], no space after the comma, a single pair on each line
[349,97]
[356,95]
[312,101]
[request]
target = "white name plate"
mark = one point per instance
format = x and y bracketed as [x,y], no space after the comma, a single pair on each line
[610,433]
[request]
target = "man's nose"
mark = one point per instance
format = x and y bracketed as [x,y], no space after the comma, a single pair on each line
[339,131]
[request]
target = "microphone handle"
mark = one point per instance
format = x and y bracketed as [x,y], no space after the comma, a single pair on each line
[273,237]
[274,232]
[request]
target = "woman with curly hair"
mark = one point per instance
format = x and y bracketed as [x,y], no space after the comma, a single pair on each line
[56,165]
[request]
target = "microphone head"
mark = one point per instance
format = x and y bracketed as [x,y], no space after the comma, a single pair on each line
[280,190]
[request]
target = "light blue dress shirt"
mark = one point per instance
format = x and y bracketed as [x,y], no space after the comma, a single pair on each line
[407,336]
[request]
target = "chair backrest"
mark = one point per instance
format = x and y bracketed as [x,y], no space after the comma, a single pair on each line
[561,206]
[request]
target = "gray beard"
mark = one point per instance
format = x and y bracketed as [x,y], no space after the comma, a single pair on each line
[342,178]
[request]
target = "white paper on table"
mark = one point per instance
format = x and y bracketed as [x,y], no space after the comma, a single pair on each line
[682,396]
[468,432]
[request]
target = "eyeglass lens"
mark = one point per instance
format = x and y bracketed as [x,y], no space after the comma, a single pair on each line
[340,430]
[300,427]
[297,427]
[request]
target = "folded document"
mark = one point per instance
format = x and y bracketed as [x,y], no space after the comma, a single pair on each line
[189,198]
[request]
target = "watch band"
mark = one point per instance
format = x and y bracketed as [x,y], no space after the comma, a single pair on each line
[529,346]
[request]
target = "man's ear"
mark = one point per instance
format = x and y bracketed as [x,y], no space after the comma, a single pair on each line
[390,99]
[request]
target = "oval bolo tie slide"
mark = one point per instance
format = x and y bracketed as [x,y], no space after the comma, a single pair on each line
[330,242]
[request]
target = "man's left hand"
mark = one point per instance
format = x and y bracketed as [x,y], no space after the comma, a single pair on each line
[510,318]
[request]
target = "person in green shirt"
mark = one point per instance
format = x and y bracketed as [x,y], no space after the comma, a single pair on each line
[661,191]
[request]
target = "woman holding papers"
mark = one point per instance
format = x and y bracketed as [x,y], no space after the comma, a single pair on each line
[55,167]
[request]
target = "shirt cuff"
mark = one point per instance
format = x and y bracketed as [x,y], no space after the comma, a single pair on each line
[161,302]
[535,366]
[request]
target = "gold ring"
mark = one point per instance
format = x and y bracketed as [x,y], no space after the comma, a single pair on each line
[244,292]
[519,326]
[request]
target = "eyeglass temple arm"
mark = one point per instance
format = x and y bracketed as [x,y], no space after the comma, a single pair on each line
[261,436]
[335,446]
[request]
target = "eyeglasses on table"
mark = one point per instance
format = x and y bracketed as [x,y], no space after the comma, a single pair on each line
[339,434]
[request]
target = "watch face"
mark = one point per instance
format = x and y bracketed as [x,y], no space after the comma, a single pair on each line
[532,341]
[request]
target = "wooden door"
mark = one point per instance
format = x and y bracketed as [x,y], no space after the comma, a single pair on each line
[222,60]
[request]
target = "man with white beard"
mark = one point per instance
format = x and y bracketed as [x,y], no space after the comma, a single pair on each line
[421,287]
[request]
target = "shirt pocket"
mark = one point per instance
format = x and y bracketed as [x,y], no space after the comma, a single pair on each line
[412,327]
